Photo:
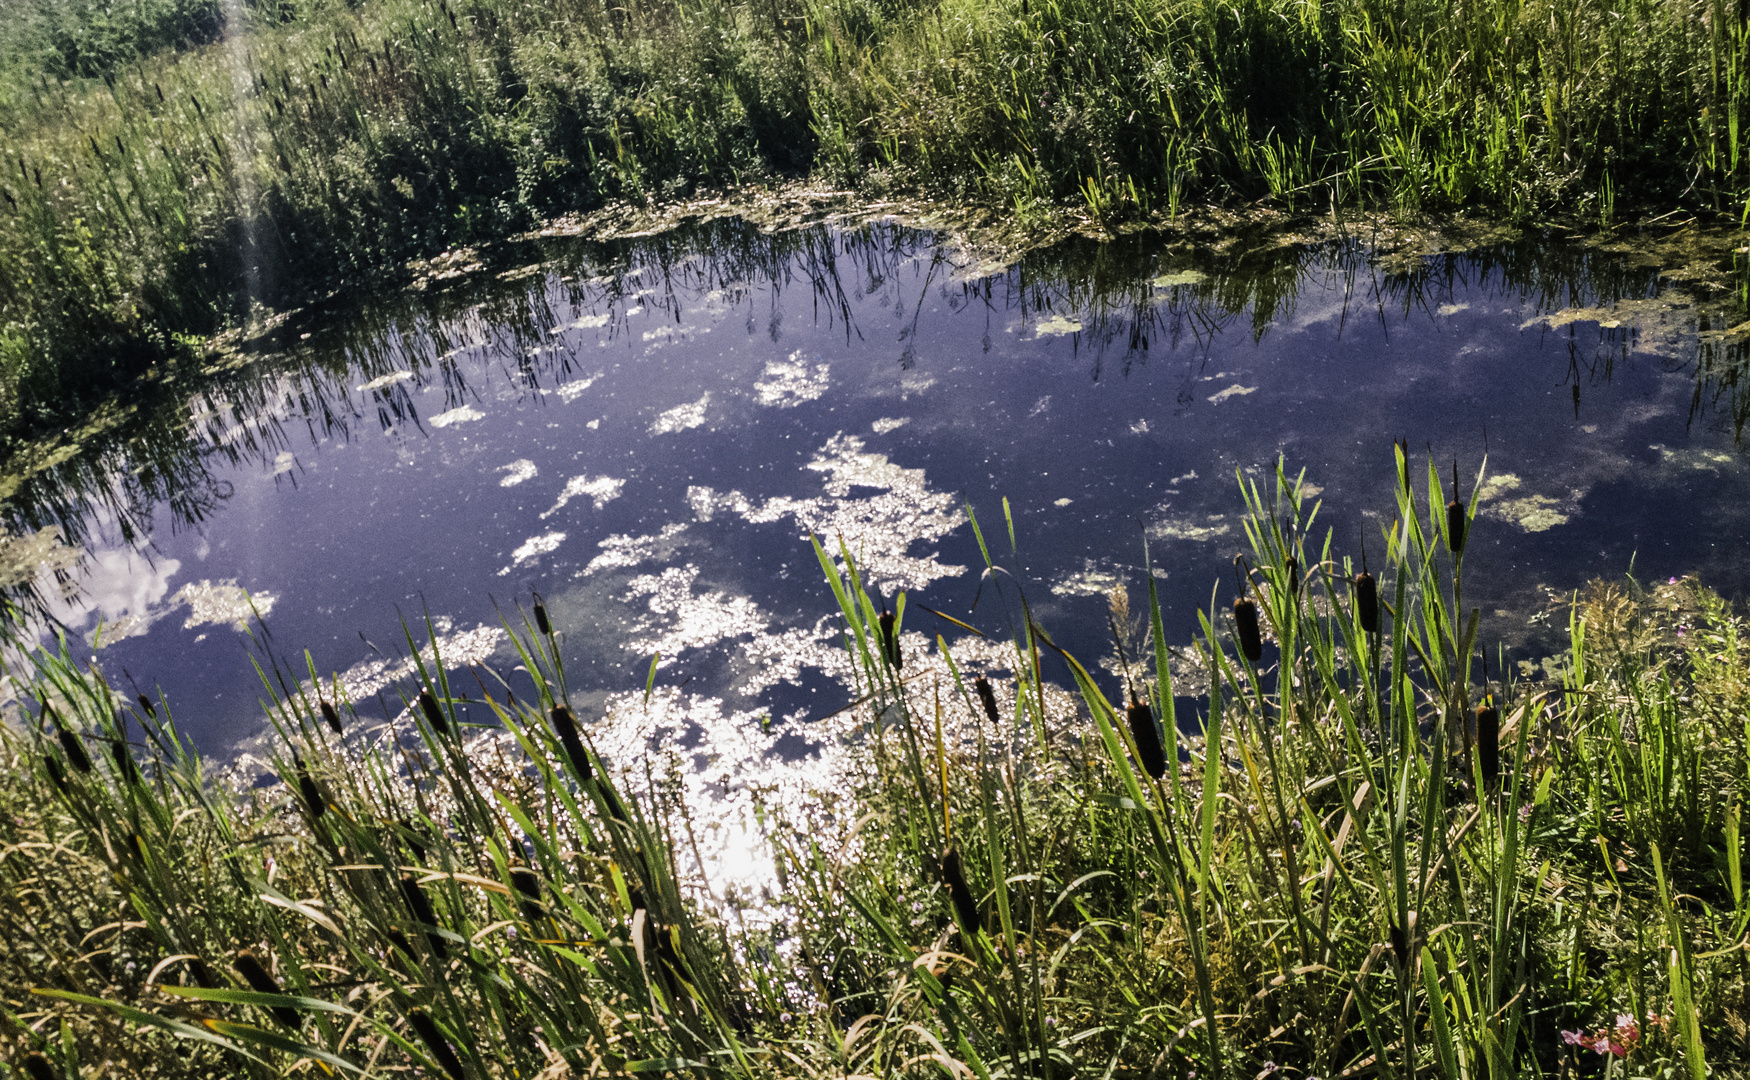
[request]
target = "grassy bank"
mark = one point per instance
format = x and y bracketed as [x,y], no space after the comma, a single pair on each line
[1357,852]
[153,193]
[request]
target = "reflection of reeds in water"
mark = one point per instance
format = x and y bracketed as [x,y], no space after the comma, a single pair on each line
[171,453]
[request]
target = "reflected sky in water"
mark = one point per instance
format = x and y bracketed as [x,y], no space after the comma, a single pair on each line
[646,432]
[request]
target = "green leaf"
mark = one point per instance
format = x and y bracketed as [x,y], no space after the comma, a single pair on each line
[175,1027]
[258,999]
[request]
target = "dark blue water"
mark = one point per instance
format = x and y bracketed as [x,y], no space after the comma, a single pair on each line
[647,432]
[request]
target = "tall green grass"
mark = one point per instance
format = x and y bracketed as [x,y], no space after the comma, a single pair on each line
[288,160]
[1329,876]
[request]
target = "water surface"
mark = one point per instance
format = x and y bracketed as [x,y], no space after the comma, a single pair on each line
[646,432]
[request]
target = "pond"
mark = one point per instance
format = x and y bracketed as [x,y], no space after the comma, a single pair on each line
[647,431]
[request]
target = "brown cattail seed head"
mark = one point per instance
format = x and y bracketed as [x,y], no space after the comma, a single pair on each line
[565,726]
[1489,743]
[71,745]
[528,883]
[542,623]
[1455,526]
[420,905]
[1246,628]
[124,762]
[954,878]
[1148,738]
[987,697]
[57,775]
[1293,566]
[890,641]
[330,715]
[1365,595]
[429,1034]
[307,787]
[615,809]
[37,1067]
[255,973]
[433,714]
[147,707]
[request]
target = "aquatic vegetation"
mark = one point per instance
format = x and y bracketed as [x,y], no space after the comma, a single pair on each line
[1307,868]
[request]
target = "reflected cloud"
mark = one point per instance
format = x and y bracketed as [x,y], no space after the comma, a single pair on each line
[600,490]
[789,383]
[461,415]
[681,417]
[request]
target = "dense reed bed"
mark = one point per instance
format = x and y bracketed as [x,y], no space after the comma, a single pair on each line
[1351,850]
[153,193]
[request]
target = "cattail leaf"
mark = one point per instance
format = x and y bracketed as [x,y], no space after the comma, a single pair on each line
[257,998]
[307,910]
[140,1016]
[255,973]
[275,1041]
[662,1065]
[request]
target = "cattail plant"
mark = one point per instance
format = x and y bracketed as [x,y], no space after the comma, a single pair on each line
[987,697]
[1246,632]
[146,705]
[57,775]
[890,640]
[1364,594]
[565,726]
[1455,516]
[1149,751]
[433,1038]
[255,973]
[1246,628]
[528,884]
[37,1067]
[954,879]
[70,742]
[420,905]
[1293,566]
[125,768]
[330,714]
[434,715]
[541,621]
[308,788]
[1489,742]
